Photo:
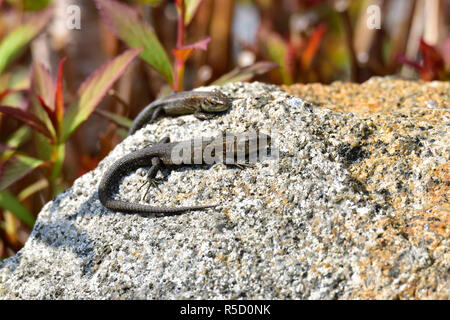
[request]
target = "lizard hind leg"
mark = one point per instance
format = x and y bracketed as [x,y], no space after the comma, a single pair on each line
[152,182]
[151,174]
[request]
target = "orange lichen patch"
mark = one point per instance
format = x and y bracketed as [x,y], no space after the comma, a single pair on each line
[389,259]
[401,161]
[432,224]
[425,228]
[390,146]
[417,99]
[438,185]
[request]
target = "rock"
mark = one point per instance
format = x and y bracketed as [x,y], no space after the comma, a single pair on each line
[356,206]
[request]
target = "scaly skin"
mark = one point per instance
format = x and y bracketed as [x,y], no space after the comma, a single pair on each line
[161,155]
[202,104]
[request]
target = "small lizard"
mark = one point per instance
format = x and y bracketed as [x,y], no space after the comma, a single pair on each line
[166,153]
[203,104]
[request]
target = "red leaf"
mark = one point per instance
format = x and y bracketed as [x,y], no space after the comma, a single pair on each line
[28,118]
[182,54]
[50,113]
[185,52]
[433,63]
[179,3]
[59,97]
[42,96]
[201,45]
[431,66]
[313,45]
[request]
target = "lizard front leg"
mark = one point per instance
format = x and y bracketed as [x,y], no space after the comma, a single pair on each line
[203,116]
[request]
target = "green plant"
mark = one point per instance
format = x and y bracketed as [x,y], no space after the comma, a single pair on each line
[125,22]
[135,32]
[12,85]
[14,43]
[52,125]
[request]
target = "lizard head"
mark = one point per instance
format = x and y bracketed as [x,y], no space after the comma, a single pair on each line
[215,102]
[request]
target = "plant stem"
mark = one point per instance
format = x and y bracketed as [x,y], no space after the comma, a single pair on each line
[179,64]
[57,159]
[348,28]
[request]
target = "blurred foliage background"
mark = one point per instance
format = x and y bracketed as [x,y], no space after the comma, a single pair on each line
[49,48]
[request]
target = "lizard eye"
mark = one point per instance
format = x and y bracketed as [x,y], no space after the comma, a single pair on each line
[215,101]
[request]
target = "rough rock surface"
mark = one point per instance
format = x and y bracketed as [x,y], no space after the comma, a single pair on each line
[356,206]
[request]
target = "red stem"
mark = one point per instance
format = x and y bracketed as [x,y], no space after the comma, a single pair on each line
[179,64]
[180,35]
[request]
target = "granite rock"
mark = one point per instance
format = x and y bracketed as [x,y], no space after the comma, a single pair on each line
[356,206]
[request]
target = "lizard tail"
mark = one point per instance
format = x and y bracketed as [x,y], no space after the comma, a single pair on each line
[147,115]
[126,207]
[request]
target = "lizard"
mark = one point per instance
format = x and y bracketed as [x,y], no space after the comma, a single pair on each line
[203,104]
[164,154]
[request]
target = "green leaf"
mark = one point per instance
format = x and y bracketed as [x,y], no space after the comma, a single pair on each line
[119,120]
[122,133]
[191,8]
[152,3]
[13,85]
[10,203]
[246,73]
[35,5]
[93,89]
[14,141]
[5,93]
[44,151]
[16,168]
[18,137]
[15,42]
[135,32]
[20,78]
[32,188]
[276,49]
